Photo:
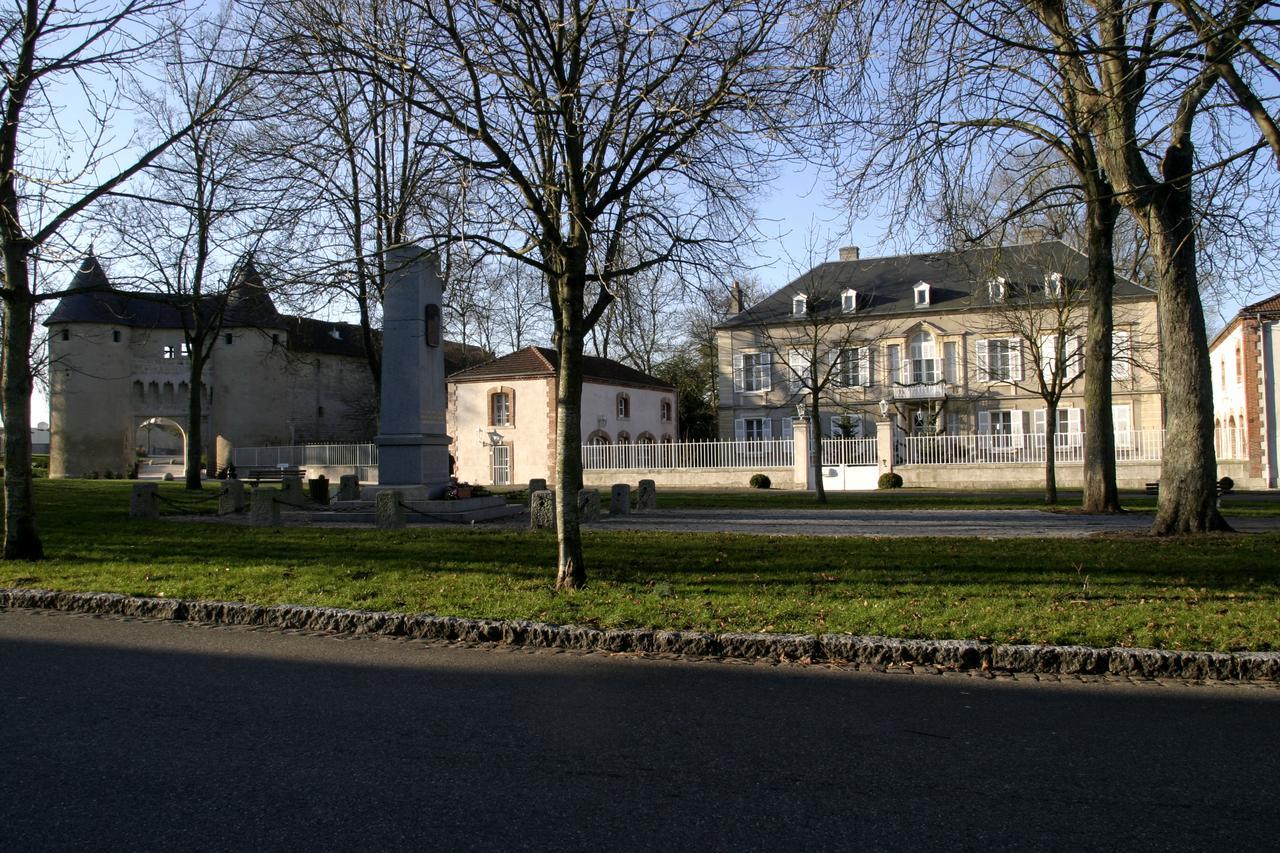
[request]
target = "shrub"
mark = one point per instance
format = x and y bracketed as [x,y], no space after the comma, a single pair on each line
[889,480]
[760,481]
[1226,484]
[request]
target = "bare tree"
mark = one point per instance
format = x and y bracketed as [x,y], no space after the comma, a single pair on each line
[579,125]
[53,55]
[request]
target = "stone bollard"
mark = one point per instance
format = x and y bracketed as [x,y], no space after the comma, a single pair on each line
[536,485]
[542,510]
[620,499]
[231,498]
[291,491]
[648,497]
[318,490]
[143,503]
[588,505]
[264,509]
[388,511]
[349,487]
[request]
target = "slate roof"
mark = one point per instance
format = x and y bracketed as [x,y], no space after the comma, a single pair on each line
[958,281]
[532,362]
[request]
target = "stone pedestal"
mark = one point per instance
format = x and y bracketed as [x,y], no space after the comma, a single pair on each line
[291,491]
[318,490]
[413,448]
[349,488]
[648,496]
[142,502]
[264,509]
[542,510]
[588,505]
[231,498]
[801,469]
[884,445]
[536,485]
[389,511]
[620,499]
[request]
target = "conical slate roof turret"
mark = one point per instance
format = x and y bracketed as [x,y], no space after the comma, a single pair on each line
[90,275]
[248,303]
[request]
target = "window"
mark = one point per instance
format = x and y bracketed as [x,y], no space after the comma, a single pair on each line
[1239,366]
[169,351]
[275,339]
[849,301]
[500,408]
[1121,354]
[228,338]
[1004,426]
[1071,362]
[924,363]
[950,362]
[666,438]
[624,407]
[598,439]
[853,367]
[1122,422]
[752,429]
[922,294]
[624,438]
[1069,427]
[996,289]
[664,409]
[646,438]
[799,305]
[66,334]
[799,375]
[895,360]
[1053,285]
[319,411]
[500,465]
[184,349]
[751,371]
[115,336]
[1000,360]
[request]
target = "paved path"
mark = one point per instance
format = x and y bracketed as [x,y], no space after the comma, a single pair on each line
[900,522]
[162,736]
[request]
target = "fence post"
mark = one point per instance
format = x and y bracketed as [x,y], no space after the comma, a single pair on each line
[884,445]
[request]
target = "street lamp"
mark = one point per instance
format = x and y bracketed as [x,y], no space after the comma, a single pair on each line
[884,408]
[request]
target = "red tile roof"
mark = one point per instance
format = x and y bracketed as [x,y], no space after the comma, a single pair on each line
[543,361]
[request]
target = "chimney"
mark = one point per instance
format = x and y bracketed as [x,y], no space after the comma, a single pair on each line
[849,253]
[735,299]
[1032,234]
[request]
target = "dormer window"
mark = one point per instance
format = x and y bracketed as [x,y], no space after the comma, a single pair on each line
[849,301]
[996,288]
[799,305]
[1052,285]
[923,296]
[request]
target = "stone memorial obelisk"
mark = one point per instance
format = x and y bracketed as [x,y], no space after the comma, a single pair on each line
[413,448]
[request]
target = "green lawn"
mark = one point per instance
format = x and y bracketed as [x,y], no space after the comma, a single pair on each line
[1220,592]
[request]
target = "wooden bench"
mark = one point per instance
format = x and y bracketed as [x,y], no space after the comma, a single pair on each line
[274,475]
[1154,488]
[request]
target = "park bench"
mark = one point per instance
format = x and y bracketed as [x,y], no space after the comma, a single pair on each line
[257,476]
[1224,486]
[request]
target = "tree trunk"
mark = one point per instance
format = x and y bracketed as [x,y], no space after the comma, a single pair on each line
[815,451]
[195,442]
[21,542]
[1188,468]
[571,569]
[1050,454]
[1100,491]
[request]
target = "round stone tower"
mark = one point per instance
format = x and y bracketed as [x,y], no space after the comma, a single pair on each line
[89,378]
[249,369]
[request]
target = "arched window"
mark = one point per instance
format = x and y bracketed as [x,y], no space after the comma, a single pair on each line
[502,407]
[646,438]
[666,438]
[599,438]
[624,438]
[624,407]
[799,304]
[923,352]
[666,410]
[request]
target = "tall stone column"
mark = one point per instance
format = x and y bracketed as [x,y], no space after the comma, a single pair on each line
[801,469]
[413,448]
[884,444]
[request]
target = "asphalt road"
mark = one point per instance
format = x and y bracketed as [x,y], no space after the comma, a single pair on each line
[160,736]
[901,522]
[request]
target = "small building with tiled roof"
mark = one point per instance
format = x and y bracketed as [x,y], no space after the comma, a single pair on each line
[502,413]
[1243,357]
[119,369]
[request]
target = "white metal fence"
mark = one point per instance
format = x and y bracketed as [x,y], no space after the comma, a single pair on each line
[1142,445]
[304,455]
[849,451]
[772,453]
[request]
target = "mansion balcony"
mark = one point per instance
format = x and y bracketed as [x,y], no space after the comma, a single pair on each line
[919,391]
[920,379]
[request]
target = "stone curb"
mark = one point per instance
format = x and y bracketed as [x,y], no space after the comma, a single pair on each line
[835,648]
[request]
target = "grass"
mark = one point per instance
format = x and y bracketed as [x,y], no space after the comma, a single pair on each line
[1216,592]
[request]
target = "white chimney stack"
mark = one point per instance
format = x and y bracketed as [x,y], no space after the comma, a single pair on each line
[850,253]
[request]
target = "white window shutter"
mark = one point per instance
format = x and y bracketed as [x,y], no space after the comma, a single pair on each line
[766,428]
[1017,423]
[799,375]
[737,372]
[864,365]
[984,369]
[766,369]
[1048,357]
[740,429]
[984,423]
[1120,346]
[1041,425]
[1075,359]
[1015,359]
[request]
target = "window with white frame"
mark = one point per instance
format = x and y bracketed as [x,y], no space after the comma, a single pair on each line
[751,371]
[1121,354]
[1068,426]
[664,409]
[1071,362]
[1000,360]
[853,367]
[893,357]
[752,429]
[1053,285]
[1004,426]
[169,351]
[500,408]
[799,376]
[799,304]
[624,407]
[500,465]
[923,352]
[996,289]
[922,295]
[849,301]
[950,362]
[1122,423]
